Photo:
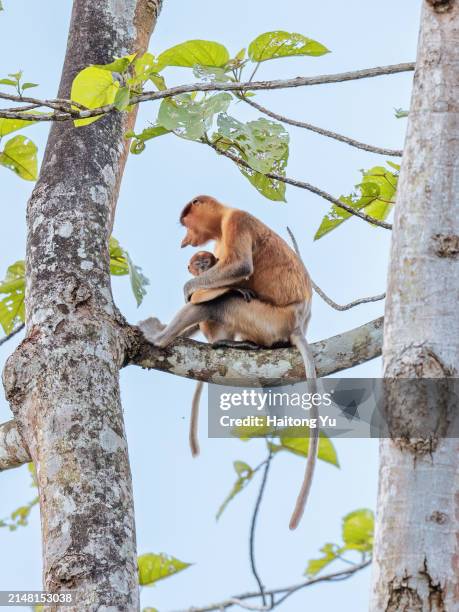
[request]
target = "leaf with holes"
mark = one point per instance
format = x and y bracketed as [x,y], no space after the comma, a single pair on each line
[272,45]
[20,156]
[263,144]
[192,52]
[375,194]
[190,118]
[153,567]
[244,476]
[12,305]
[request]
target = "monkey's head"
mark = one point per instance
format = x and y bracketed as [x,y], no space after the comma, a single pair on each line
[200,262]
[202,218]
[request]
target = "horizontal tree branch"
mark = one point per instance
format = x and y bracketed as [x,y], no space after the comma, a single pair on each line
[64,113]
[199,361]
[286,592]
[302,185]
[12,450]
[329,134]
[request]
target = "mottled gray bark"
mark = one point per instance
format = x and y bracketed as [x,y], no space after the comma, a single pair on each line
[13,452]
[62,381]
[416,557]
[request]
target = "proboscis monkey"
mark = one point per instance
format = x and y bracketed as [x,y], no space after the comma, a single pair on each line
[199,263]
[249,255]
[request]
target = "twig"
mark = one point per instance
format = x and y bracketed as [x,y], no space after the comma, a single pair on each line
[253,527]
[329,134]
[329,301]
[67,113]
[13,333]
[302,185]
[284,591]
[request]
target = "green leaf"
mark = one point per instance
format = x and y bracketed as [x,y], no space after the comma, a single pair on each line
[272,45]
[330,552]
[375,194]
[190,118]
[138,281]
[121,265]
[12,308]
[8,82]
[138,144]
[154,567]
[12,125]
[400,113]
[28,85]
[358,530]
[263,144]
[119,65]
[245,475]
[300,445]
[93,87]
[122,98]
[20,156]
[17,76]
[192,52]
[212,74]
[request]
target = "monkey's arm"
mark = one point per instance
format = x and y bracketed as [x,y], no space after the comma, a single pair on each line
[235,264]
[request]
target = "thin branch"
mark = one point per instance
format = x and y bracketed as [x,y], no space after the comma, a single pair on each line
[342,307]
[302,185]
[324,296]
[253,527]
[13,333]
[284,591]
[148,96]
[329,134]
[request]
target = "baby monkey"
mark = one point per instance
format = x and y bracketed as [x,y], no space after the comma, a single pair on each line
[199,263]
[203,261]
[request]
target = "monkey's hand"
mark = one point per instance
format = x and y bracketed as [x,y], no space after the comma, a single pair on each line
[189,288]
[247,294]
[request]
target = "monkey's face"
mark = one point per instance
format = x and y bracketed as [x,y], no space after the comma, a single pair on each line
[201,217]
[200,262]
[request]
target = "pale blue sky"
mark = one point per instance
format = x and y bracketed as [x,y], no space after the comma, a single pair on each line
[177,497]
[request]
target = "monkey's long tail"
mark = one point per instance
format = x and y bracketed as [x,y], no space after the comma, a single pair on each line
[301,344]
[194,443]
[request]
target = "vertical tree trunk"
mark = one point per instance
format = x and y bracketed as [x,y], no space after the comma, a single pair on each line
[416,565]
[62,382]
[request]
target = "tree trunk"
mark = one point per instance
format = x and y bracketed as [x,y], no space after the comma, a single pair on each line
[416,565]
[62,382]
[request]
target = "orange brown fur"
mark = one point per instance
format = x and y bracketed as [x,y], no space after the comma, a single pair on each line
[278,277]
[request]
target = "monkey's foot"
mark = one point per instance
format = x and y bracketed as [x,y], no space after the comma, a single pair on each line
[237,344]
[151,328]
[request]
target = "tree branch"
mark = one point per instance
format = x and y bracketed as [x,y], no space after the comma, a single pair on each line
[13,333]
[199,361]
[65,114]
[329,134]
[302,185]
[284,591]
[12,450]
